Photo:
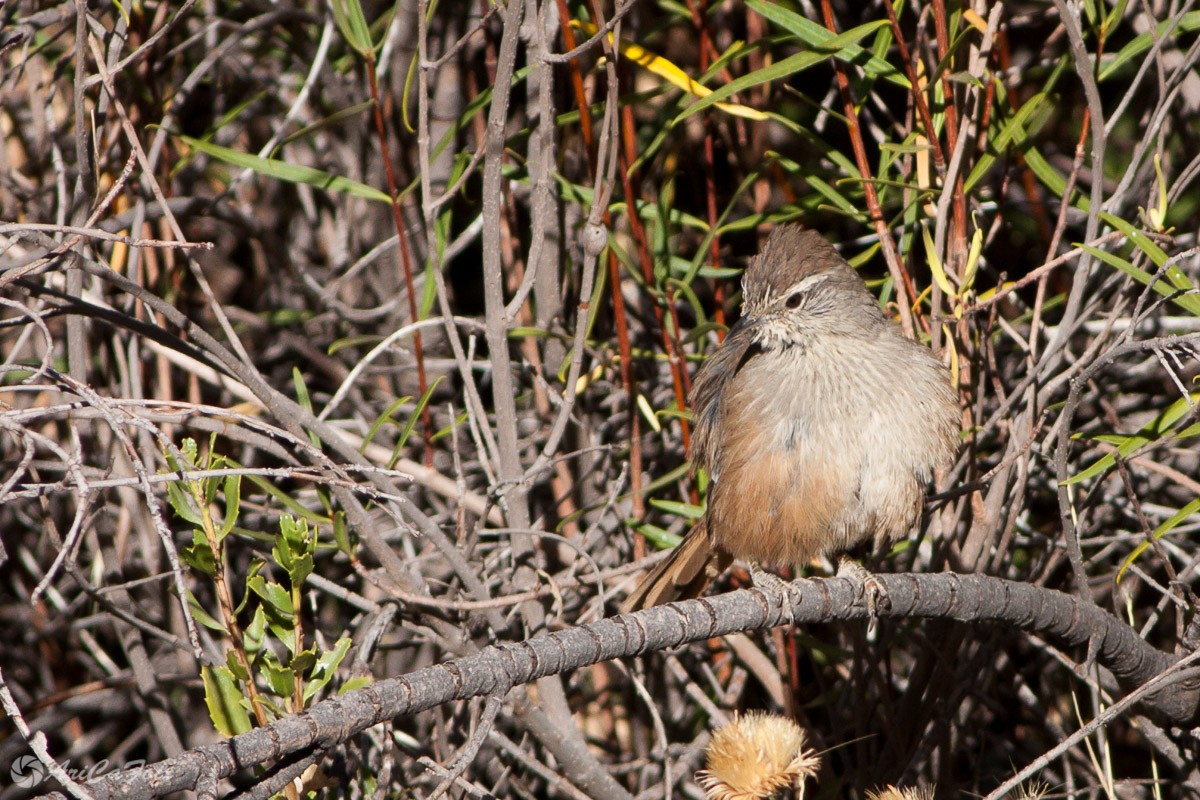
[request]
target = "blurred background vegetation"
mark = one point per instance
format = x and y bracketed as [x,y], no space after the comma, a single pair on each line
[340,340]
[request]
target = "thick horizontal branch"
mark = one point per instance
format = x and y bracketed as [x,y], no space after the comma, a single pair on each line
[493,671]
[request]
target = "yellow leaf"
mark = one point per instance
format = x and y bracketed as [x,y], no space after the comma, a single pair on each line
[976,21]
[587,379]
[672,74]
[935,264]
[648,412]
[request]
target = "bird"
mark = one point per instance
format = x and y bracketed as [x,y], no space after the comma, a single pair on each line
[817,421]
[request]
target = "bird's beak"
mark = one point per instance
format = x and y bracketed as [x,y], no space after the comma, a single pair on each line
[743,329]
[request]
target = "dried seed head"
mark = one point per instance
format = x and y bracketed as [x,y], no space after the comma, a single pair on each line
[1034,791]
[756,756]
[892,793]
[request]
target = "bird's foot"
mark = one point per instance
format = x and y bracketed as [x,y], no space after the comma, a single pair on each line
[763,579]
[870,588]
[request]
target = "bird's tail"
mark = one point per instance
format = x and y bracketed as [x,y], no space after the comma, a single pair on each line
[683,575]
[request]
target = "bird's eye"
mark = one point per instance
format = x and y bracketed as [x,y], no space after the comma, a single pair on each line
[794,300]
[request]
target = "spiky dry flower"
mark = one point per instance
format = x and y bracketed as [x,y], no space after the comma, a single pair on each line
[893,793]
[1034,791]
[756,756]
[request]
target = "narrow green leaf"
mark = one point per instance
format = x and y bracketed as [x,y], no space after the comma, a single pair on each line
[1152,431]
[1015,131]
[686,510]
[382,420]
[1162,530]
[412,420]
[1188,302]
[233,502]
[835,197]
[659,537]
[351,21]
[843,46]
[1188,23]
[292,173]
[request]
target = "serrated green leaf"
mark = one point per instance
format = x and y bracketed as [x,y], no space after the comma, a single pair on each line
[233,502]
[255,634]
[223,696]
[202,616]
[355,683]
[277,599]
[235,667]
[181,503]
[325,668]
[301,567]
[198,555]
[281,679]
[303,661]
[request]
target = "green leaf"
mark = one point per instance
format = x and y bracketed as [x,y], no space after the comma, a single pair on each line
[325,668]
[280,678]
[202,616]
[1188,302]
[1015,132]
[256,566]
[278,599]
[235,667]
[356,683]
[685,510]
[303,661]
[1162,530]
[1152,431]
[843,46]
[412,420]
[255,634]
[198,555]
[341,534]
[1188,23]
[233,501]
[351,21]
[292,173]
[294,548]
[659,537]
[181,503]
[223,696]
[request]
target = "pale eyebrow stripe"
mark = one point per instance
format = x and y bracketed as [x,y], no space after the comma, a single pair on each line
[809,282]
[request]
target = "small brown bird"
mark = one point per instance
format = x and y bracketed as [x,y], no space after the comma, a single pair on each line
[818,422]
